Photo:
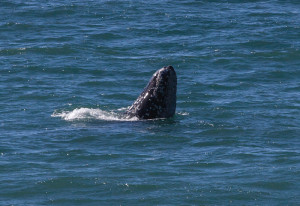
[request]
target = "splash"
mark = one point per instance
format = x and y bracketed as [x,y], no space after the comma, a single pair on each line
[183,113]
[87,114]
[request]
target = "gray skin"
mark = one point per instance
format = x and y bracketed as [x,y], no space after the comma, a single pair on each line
[158,100]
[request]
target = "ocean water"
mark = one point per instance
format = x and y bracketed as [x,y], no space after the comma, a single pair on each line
[70,68]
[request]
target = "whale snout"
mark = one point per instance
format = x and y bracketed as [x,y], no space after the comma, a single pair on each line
[169,68]
[158,100]
[166,72]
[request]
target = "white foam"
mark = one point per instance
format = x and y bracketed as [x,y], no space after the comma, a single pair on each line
[123,109]
[91,114]
[183,113]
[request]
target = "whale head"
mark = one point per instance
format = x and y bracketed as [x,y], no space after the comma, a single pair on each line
[158,100]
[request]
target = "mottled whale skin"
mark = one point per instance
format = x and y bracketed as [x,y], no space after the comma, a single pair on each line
[158,100]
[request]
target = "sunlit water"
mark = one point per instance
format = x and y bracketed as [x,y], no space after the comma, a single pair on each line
[70,69]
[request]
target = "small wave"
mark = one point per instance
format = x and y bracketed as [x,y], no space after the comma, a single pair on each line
[183,113]
[123,109]
[87,114]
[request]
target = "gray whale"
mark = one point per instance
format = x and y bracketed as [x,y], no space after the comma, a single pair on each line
[158,100]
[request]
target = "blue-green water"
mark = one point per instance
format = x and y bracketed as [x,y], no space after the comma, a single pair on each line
[69,69]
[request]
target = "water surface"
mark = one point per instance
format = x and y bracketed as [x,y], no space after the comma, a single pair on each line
[69,69]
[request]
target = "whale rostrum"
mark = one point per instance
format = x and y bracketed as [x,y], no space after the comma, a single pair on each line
[158,100]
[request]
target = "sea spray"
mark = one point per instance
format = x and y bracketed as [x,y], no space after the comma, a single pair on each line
[89,114]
